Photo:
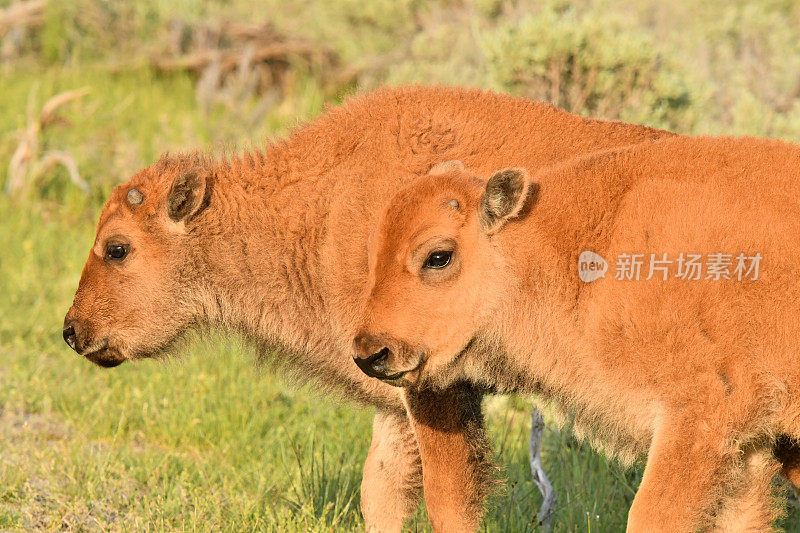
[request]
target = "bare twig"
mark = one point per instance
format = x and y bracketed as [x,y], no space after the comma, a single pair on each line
[545,516]
[52,158]
[18,165]
[49,108]
[28,147]
[28,161]
[555,81]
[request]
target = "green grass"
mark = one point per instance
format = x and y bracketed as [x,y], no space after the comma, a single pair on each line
[212,440]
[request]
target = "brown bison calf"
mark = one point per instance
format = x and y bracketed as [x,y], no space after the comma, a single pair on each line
[700,373]
[274,245]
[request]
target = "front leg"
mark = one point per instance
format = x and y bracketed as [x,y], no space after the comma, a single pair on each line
[787,452]
[457,470]
[752,505]
[392,480]
[690,462]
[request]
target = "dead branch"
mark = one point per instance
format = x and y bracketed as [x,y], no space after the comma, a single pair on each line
[54,157]
[49,108]
[28,162]
[229,59]
[22,14]
[243,60]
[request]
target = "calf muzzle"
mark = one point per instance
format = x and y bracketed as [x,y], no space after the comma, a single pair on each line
[76,336]
[70,336]
[374,356]
[375,365]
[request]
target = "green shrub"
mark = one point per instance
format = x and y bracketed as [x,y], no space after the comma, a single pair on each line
[591,64]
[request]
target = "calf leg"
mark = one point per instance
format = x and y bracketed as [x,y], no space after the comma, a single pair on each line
[392,481]
[457,469]
[787,451]
[688,465]
[753,507]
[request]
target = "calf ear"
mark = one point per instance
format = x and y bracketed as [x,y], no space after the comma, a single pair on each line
[446,166]
[505,196]
[186,194]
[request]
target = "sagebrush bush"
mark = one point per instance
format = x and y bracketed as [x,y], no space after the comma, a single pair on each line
[593,64]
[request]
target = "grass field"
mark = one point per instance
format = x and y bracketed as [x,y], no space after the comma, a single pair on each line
[213,440]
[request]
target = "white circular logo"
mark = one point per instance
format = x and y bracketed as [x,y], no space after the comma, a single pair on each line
[591,266]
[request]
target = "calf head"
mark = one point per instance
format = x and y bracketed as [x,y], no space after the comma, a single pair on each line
[434,273]
[138,289]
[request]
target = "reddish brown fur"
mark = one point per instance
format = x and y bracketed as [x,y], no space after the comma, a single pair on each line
[276,249]
[702,377]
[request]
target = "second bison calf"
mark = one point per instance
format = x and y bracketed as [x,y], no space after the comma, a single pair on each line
[700,373]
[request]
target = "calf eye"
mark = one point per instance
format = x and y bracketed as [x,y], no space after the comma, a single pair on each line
[115,252]
[438,259]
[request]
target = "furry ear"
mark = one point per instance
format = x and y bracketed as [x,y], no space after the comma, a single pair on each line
[186,194]
[505,196]
[446,166]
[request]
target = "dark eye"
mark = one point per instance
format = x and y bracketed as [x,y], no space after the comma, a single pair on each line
[438,259]
[115,252]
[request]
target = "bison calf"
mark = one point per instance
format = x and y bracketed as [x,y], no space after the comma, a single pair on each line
[273,245]
[490,282]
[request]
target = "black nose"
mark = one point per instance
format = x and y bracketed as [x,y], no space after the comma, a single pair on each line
[69,336]
[371,355]
[374,365]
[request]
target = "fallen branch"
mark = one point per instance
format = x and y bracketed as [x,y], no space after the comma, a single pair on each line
[233,61]
[229,59]
[22,14]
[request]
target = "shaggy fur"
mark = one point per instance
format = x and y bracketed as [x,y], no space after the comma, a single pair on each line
[273,244]
[701,377]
